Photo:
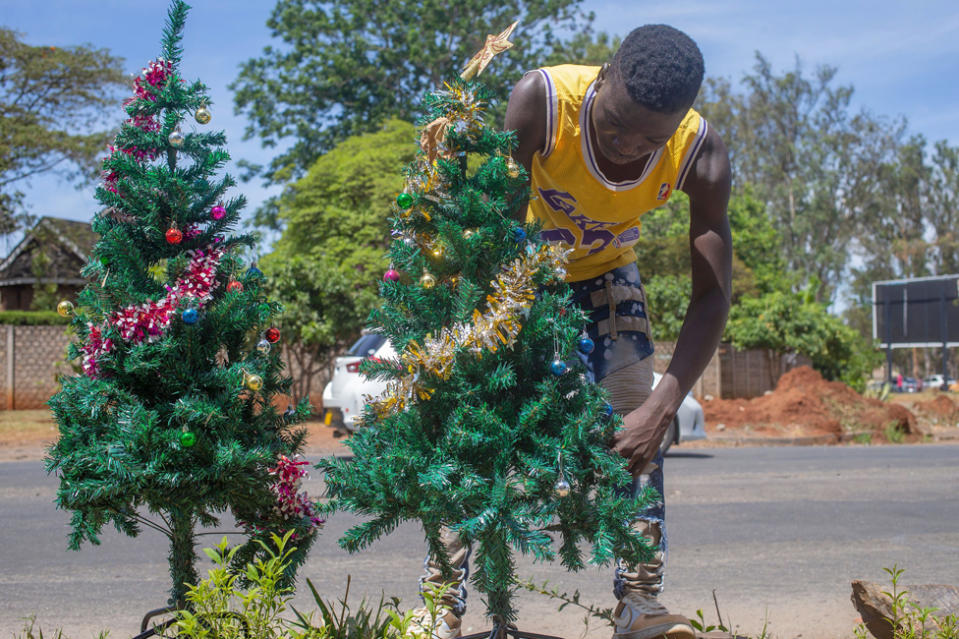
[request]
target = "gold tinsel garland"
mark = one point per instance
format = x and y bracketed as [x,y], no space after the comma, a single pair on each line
[512,293]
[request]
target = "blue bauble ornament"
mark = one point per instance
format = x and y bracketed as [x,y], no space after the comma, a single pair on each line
[519,234]
[586,345]
[558,367]
[254,273]
[608,410]
[190,316]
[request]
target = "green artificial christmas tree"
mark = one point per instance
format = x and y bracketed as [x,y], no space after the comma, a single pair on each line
[171,422]
[489,425]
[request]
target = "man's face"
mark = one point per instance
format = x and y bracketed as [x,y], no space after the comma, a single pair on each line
[627,131]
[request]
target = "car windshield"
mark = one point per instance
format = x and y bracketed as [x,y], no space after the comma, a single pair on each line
[366,345]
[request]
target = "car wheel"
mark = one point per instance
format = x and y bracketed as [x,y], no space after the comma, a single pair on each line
[671,435]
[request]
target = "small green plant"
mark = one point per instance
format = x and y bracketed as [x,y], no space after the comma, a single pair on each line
[862,438]
[592,612]
[364,623]
[908,619]
[220,608]
[29,633]
[893,433]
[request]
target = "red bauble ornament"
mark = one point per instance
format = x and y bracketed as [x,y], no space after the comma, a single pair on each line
[272,335]
[174,236]
[391,275]
[234,285]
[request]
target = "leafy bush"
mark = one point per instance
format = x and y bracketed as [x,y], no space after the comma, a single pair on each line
[237,605]
[788,322]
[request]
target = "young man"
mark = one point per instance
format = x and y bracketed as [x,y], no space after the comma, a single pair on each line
[602,146]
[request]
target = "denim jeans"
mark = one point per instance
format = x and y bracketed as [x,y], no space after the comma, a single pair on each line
[621,362]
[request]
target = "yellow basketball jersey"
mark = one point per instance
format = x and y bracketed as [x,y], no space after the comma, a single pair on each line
[575,202]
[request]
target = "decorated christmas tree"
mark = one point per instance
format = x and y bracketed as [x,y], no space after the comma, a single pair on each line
[489,425]
[172,421]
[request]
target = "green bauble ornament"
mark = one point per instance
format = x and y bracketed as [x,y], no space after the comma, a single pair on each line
[404,200]
[187,439]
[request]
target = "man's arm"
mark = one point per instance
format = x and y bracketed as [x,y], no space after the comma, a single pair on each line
[526,114]
[710,245]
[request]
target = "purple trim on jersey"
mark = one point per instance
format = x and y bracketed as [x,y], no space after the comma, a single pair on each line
[550,115]
[691,155]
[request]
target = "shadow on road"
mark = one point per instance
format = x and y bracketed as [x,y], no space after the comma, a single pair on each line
[689,455]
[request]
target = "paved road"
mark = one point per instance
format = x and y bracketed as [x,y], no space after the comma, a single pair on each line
[775,531]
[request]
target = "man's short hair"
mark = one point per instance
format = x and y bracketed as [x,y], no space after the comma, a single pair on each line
[661,67]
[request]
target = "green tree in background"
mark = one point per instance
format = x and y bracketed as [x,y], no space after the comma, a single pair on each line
[788,322]
[53,103]
[342,68]
[809,159]
[663,257]
[326,266]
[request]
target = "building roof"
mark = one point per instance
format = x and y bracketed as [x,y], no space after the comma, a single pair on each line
[75,238]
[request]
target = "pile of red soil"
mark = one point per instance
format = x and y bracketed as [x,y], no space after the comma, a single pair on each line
[804,404]
[941,409]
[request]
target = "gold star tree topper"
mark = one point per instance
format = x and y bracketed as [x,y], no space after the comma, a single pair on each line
[435,132]
[494,45]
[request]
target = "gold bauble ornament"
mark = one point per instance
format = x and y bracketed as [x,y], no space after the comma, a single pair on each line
[65,308]
[254,382]
[427,281]
[512,168]
[561,487]
[468,233]
[203,115]
[437,251]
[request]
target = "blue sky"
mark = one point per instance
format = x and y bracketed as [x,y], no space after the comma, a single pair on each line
[900,56]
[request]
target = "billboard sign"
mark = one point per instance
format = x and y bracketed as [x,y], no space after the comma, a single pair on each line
[919,312]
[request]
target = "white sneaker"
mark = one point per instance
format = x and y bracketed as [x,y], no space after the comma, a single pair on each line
[447,625]
[640,616]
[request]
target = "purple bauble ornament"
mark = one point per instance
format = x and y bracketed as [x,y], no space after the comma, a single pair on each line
[391,275]
[217,212]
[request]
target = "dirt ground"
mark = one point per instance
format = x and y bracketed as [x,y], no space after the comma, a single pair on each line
[26,434]
[804,407]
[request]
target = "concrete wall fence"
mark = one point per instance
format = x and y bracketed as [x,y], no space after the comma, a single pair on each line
[31,357]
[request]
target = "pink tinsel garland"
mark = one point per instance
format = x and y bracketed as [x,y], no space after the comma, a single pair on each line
[145,87]
[148,321]
[291,503]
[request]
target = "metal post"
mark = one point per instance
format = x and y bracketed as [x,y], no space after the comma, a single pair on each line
[11,383]
[944,328]
[888,307]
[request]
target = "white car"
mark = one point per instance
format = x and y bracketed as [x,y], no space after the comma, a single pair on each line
[343,396]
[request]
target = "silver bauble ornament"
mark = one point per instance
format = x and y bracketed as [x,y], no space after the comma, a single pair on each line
[176,139]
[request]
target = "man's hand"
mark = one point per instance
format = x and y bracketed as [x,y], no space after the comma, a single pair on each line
[644,428]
